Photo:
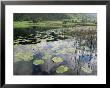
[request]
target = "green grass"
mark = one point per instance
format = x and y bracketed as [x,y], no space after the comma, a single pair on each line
[21,24]
[54,24]
[27,24]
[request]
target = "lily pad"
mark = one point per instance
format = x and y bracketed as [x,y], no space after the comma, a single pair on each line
[57,59]
[85,48]
[66,50]
[26,56]
[27,40]
[69,50]
[16,42]
[38,62]
[61,52]
[61,69]
[86,69]
[31,34]
[46,56]
[19,39]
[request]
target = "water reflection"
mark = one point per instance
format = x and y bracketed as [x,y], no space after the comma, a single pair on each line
[77,48]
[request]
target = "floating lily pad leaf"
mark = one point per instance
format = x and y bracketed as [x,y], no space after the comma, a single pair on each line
[82,47]
[86,69]
[61,52]
[50,39]
[26,56]
[70,50]
[85,48]
[61,69]
[16,42]
[19,39]
[31,34]
[54,48]
[15,45]
[28,40]
[46,56]
[57,59]
[38,62]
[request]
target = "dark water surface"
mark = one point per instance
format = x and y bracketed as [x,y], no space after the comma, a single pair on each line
[77,46]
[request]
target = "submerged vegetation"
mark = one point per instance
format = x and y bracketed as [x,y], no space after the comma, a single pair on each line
[54,44]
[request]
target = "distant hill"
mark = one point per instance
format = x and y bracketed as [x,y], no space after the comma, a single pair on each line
[88,16]
[54,16]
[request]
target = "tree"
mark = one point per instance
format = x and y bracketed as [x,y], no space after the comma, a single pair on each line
[34,21]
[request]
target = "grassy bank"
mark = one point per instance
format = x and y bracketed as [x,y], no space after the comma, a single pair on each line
[27,24]
[53,24]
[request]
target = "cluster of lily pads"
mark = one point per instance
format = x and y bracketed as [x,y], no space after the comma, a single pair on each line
[26,40]
[25,56]
[60,69]
[38,37]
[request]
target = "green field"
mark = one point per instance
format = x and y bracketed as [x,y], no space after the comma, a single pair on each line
[54,24]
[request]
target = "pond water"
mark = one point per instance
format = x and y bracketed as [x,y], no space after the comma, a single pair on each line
[63,51]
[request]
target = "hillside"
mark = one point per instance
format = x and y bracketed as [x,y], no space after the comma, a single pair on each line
[54,16]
